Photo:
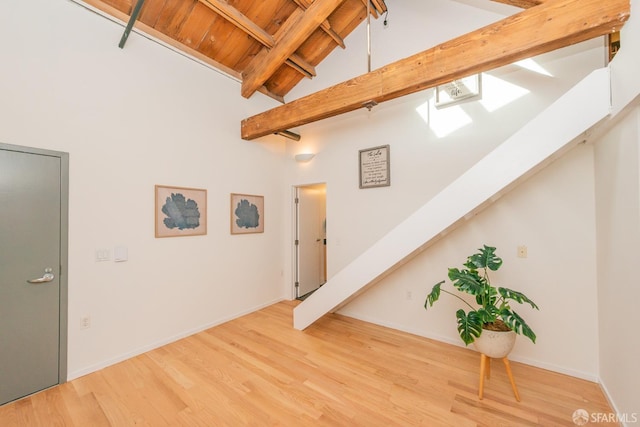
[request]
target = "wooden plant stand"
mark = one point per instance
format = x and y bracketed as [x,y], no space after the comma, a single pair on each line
[485,370]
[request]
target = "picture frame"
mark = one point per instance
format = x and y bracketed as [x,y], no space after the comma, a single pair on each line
[247,213]
[375,167]
[459,91]
[180,211]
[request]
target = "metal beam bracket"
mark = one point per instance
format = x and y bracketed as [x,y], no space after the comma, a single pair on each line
[132,20]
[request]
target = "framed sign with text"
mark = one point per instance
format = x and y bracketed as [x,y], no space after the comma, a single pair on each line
[374,167]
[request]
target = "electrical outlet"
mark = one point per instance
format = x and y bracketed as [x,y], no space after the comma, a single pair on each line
[409,295]
[522,251]
[85,322]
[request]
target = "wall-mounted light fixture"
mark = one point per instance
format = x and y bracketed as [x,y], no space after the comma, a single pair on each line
[289,134]
[304,157]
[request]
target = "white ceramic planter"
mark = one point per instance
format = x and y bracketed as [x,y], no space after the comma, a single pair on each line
[495,344]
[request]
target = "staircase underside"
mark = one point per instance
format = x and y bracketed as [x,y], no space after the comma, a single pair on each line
[558,128]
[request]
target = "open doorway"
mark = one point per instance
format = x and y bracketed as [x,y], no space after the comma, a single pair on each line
[310,240]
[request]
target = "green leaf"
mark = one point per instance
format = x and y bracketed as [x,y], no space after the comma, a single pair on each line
[486,258]
[434,295]
[516,296]
[488,314]
[488,297]
[517,324]
[468,281]
[469,326]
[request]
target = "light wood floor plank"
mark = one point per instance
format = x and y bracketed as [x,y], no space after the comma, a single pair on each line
[259,371]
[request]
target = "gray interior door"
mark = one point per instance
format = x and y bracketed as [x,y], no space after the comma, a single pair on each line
[30,260]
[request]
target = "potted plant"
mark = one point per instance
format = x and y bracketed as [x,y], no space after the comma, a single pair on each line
[493,311]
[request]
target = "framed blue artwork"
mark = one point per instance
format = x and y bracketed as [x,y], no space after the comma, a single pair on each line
[180,211]
[247,214]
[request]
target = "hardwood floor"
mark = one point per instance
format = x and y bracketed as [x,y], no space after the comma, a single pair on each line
[259,371]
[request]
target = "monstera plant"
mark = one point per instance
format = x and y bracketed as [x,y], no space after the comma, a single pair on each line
[493,310]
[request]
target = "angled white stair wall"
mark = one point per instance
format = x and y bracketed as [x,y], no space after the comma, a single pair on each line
[558,127]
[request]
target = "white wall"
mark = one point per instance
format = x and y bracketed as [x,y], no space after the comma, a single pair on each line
[617,166]
[618,231]
[552,213]
[131,119]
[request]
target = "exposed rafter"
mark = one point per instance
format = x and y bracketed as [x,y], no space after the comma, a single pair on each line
[376,7]
[379,6]
[325,26]
[176,45]
[296,29]
[234,16]
[228,34]
[543,28]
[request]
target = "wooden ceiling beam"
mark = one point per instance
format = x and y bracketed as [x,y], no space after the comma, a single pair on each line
[325,26]
[241,21]
[373,10]
[295,31]
[540,29]
[524,4]
[379,5]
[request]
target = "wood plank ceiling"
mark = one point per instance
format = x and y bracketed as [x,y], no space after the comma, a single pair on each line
[269,45]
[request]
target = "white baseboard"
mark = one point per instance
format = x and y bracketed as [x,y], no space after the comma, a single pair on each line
[532,362]
[615,409]
[140,350]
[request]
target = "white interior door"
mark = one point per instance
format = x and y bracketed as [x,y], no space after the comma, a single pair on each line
[311,238]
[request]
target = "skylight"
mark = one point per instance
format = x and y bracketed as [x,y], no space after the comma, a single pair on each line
[496,93]
[443,121]
[532,65]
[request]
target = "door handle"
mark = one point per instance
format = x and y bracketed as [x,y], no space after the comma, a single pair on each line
[46,277]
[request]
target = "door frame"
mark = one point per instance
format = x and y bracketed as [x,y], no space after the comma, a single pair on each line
[294,228]
[64,248]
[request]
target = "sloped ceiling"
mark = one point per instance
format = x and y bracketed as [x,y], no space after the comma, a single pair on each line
[270,45]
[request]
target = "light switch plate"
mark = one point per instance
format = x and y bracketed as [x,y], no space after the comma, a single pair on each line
[102,255]
[120,254]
